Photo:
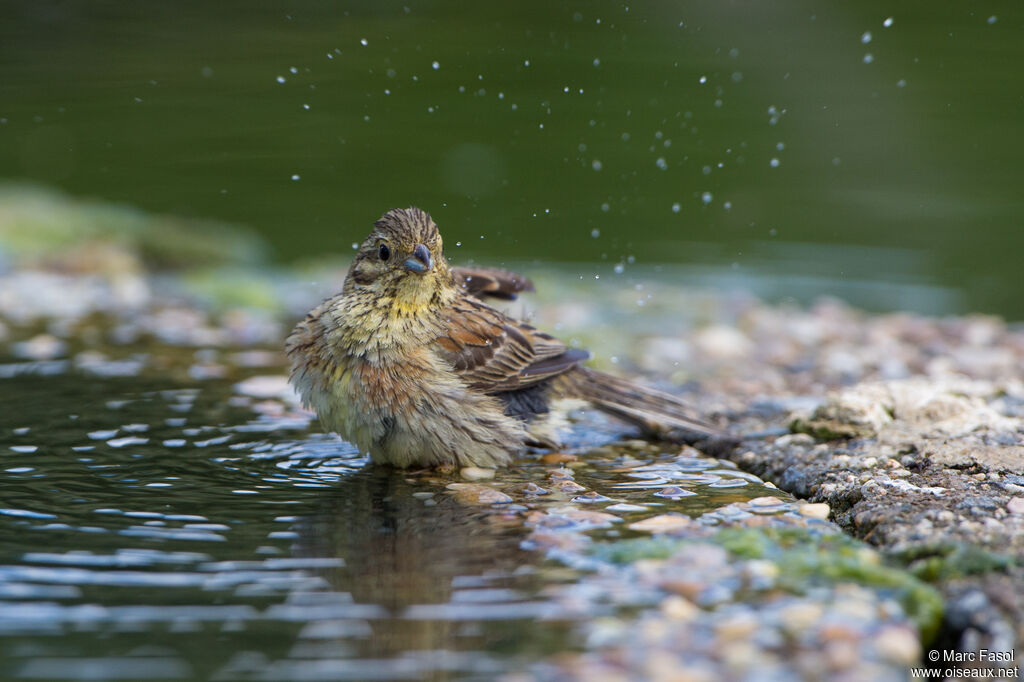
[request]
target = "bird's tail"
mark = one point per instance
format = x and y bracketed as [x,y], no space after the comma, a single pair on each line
[654,411]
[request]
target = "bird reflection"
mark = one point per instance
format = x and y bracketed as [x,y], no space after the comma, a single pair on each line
[400,552]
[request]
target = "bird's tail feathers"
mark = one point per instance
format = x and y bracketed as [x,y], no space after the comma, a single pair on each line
[654,411]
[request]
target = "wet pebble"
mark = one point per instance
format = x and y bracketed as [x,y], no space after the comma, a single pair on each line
[663,523]
[591,498]
[567,486]
[674,492]
[534,489]
[471,494]
[552,458]
[477,473]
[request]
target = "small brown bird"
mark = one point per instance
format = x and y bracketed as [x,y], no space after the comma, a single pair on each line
[410,365]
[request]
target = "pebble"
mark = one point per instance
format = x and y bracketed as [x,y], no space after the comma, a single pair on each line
[477,473]
[471,494]
[590,498]
[663,523]
[800,616]
[40,347]
[558,458]
[569,486]
[674,492]
[679,608]
[815,510]
[1015,505]
[766,501]
[898,645]
[737,627]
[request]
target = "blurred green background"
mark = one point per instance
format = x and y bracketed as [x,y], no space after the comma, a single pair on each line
[869,150]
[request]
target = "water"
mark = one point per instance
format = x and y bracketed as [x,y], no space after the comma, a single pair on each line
[158,529]
[765,148]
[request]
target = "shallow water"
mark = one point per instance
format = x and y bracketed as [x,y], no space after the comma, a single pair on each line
[151,529]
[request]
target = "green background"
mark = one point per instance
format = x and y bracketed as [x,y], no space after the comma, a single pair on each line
[557,132]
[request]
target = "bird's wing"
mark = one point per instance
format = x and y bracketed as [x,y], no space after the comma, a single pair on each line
[492,352]
[483,282]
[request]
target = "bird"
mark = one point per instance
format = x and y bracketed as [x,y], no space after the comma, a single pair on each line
[411,364]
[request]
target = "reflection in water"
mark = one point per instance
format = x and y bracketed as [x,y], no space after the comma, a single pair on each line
[403,550]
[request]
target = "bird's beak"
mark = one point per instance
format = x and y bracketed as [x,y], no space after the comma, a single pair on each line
[421,260]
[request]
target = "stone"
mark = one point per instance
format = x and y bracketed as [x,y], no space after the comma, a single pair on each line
[817,510]
[471,494]
[663,523]
[1015,505]
[477,473]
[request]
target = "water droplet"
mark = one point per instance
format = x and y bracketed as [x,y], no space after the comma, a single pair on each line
[706,197]
[281,79]
[605,207]
[993,19]
[888,22]
[526,62]
[780,146]
[364,42]
[677,207]
[727,206]
[901,83]
[595,233]
[661,163]
[296,177]
[436,65]
[597,62]
[702,80]
[868,58]
[596,165]
[866,37]
[774,163]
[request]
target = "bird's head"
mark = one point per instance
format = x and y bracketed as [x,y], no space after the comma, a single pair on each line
[403,261]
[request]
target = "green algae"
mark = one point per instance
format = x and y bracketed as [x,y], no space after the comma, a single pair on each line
[948,561]
[804,558]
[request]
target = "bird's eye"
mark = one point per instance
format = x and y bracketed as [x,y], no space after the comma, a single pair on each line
[384,252]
